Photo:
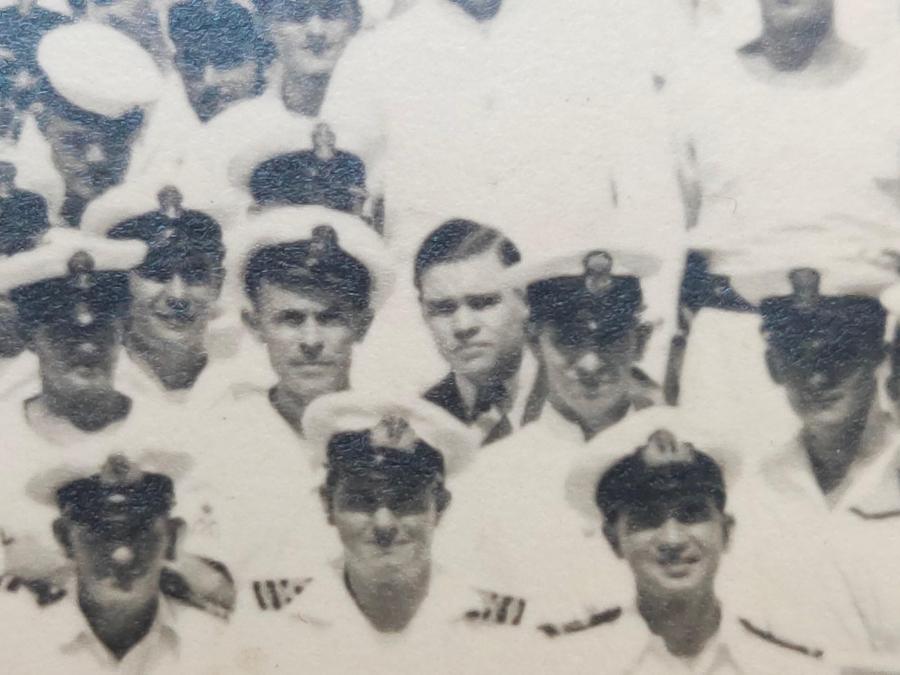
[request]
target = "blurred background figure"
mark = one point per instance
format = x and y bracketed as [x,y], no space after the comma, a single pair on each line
[324,175]
[218,52]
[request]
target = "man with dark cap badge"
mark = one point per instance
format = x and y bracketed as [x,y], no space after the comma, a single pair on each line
[310,279]
[824,329]
[663,509]
[587,331]
[173,297]
[115,525]
[385,597]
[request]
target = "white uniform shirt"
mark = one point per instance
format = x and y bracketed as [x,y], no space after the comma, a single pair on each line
[622,642]
[791,540]
[56,638]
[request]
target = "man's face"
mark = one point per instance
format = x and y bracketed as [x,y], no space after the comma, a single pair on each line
[312,43]
[120,566]
[215,89]
[823,392]
[384,529]
[796,15]
[480,9]
[173,311]
[309,336]
[673,546]
[586,380]
[76,362]
[90,159]
[476,323]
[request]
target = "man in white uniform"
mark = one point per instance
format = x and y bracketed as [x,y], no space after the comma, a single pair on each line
[114,525]
[384,598]
[663,513]
[587,330]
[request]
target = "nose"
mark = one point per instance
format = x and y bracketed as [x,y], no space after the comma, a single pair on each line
[589,363]
[465,327]
[122,556]
[672,535]
[176,293]
[818,379]
[385,526]
[315,25]
[94,154]
[311,338]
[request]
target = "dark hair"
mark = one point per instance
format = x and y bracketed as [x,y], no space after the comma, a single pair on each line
[459,239]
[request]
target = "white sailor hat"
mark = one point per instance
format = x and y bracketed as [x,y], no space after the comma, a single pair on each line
[850,259]
[340,233]
[51,258]
[104,486]
[656,450]
[404,425]
[99,69]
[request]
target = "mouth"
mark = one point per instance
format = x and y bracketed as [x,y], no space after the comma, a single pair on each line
[179,321]
[316,46]
[472,349]
[678,568]
[312,366]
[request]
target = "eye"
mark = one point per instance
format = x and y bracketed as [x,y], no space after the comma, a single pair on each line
[480,302]
[645,518]
[441,307]
[693,512]
[360,501]
[330,317]
[291,318]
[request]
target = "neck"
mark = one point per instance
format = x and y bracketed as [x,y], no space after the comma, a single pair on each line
[303,94]
[391,604]
[686,625]
[602,420]
[119,629]
[832,449]
[176,366]
[87,412]
[792,50]
[172,212]
[291,405]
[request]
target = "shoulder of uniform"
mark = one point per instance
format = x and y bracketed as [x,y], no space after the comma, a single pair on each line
[42,593]
[604,618]
[275,594]
[496,608]
[771,638]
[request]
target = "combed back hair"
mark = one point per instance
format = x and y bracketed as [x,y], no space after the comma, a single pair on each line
[460,239]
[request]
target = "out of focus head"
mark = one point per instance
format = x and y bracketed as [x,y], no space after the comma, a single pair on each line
[310,35]
[477,318]
[797,17]
[482,10]
[221,58]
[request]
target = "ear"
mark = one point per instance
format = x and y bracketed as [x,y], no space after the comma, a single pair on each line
[609,531]
[250,319]
[62,532]
[727,529]
[443,497]
[362,320]
[325,494]
[775,364]
[174,529]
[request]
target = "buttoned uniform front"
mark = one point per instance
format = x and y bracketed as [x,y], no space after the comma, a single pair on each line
[57,638]
[625,645]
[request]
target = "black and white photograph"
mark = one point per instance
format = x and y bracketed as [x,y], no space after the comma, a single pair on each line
[552,337]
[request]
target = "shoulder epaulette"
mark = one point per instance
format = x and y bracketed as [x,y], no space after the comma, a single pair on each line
[497,608]
[594,620]
[276,594]
[775,640]
[44,592]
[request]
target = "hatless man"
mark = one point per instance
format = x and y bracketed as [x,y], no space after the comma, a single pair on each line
[384,597]
[663,508]
[477,320]
[173,294]
[116,529]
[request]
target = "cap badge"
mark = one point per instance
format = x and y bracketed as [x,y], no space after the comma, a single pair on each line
[394,432]
[598,271]
[119,470]
[81,266]
[805,284]
[663,448]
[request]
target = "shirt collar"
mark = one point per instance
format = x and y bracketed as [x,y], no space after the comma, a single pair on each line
[161,640]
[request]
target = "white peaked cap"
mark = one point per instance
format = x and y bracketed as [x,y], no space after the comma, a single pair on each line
[99,69]
[363,410]
[851,258]
[288,224]
[615,444]
[50,259]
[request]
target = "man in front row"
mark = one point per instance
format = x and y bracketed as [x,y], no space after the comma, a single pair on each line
[663,510]
[383,598]
[116,529]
